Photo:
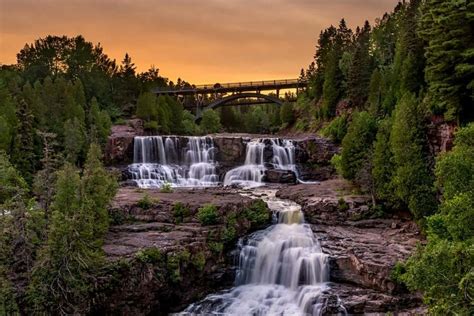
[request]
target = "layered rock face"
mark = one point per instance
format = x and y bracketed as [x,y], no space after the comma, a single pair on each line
[363,249]
[119,148]
[162,258]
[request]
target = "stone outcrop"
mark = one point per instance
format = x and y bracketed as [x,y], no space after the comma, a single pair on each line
[363,248]
[119,148]
[440,135]
[279,176]
[161,258]
[313,158]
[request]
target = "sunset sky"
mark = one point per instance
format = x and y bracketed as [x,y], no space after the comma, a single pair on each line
[201,41]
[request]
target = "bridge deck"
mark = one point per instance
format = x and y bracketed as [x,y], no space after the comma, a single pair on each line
[234,87]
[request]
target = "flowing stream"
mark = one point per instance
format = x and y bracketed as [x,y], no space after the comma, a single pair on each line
[281,270]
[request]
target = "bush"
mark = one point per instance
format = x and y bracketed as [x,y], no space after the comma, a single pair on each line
[208,215]
[342,205]
[151,125]
[145,202]
[336,162]
[211,122]
[286,114]
[257,213]
[166,188]
[199,261]
[336,129]
[180,211]
[150,255]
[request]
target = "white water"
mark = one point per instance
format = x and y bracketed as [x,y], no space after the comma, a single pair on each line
[158,160]
[252,172]
[282,271]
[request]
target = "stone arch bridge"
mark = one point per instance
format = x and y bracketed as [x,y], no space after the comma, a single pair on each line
[210,96]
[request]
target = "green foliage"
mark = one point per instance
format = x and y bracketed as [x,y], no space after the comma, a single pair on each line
[442,269]
[447,28]
[74,140]
[383,168]
[342,205]
[412,180]
[180,212]
[355,151]
[208,215]
[287,116]
[199,261]
[336,129]
[150,255]
[211,122]
[145,202]
[166,188]
[189,125]
[216,247]
[257,213]
[336,162]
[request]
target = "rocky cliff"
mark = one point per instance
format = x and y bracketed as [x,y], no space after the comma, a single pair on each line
[363,246]
[162,256]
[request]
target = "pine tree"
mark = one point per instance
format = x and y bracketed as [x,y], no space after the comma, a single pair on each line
[74,140]
[360,69]
[98,188]
[447,27]
[355,149]
[23,154]
[412,179]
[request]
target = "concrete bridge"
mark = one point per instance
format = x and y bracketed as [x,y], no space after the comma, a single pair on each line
[211,96]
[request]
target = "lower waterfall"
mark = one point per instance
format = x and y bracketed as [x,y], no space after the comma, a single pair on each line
[282,270]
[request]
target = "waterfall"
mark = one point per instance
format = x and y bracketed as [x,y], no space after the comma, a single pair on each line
[282,271]
[158,160]
[251,173]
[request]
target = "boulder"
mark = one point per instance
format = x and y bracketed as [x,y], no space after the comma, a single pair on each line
[279,176]
[119,147]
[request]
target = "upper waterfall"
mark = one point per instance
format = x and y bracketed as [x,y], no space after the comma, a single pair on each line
[159,159]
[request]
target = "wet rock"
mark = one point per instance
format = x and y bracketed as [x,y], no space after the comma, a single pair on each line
[119,147]
[161,260]
[279,176]
[363,250]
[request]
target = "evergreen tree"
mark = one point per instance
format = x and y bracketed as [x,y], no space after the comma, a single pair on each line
[287,116]
[23,153]
[74,140]
[412,179]
[360,69]
[98,188]
[447,27]
[147,107]
[355,151]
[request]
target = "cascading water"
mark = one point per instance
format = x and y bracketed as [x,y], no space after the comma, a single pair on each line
[158,160]
[282,271]
[252,172]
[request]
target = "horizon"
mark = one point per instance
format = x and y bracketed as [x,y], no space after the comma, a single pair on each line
[200,43]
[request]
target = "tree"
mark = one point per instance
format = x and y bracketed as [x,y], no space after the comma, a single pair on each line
[447,27]
[74,140]
[442,269]
[287,116]
[360,69]
[412,179]
[23,152]
[355,149]
[97,189]
[43,185]
[211,122]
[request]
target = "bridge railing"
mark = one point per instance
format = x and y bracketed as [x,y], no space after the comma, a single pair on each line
[236,85]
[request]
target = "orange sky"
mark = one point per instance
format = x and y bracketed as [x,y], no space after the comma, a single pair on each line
[201,41]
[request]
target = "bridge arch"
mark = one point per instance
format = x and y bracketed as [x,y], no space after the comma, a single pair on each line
[233,97]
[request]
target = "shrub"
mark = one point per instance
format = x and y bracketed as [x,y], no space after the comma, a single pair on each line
[286,114]
[166,188]
[145,202]
[336,129]
[180,211]
[208,215]
[216,247]
[336,162]
[257,213]
[199,261]
[150,255]
[342,205]
[151,125]
[211,122]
